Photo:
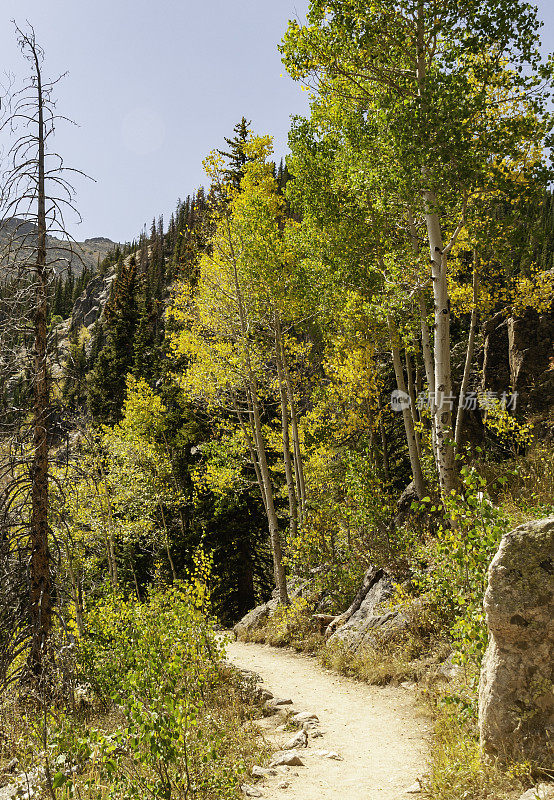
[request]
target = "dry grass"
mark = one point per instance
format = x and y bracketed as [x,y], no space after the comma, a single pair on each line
[370,665]
[456,768]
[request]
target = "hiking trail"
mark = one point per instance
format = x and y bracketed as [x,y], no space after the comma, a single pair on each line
[377,732]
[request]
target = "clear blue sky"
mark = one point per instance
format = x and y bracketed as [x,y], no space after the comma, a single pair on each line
[154,86]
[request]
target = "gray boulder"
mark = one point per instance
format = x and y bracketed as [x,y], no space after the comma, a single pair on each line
[369,619]
[256,619]
[516,693]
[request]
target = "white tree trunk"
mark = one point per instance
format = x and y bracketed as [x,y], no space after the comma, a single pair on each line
[428,362]
[406,411]
[259,444]
[274,533]
[293,504]
[443,376]
[412,394]
[469,355]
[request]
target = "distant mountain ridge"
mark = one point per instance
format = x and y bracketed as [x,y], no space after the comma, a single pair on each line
[17,234]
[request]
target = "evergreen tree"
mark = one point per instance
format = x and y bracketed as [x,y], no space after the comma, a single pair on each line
[98,341]
[69,287]
[106,389]
[236,156]
[75,370]
[145,356]
[58,306]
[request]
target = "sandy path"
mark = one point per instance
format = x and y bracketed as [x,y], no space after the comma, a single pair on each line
[377,731]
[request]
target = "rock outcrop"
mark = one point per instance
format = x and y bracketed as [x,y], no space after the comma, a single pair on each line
[519,357]
[257,617]
[90,305]
[369,620]
[516,694]
[496,357]
[531,351]
[18,239]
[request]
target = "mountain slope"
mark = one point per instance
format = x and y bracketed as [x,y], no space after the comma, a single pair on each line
[17,239]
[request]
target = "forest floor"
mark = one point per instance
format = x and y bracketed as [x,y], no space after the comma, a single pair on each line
[379,734]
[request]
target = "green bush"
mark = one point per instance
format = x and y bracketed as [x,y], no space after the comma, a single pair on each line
[157,661]
[454,562]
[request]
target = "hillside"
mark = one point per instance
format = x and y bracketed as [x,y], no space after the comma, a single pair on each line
[18,236]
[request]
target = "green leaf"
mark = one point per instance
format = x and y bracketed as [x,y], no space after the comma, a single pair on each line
[60,778]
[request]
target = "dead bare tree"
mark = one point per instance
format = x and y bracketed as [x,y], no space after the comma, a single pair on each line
[35,196]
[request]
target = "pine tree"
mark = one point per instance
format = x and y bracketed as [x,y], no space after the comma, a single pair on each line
[58,306]
[236,156]
[69,287]
[106,389]
[145,357]
[75,370]
[98,340]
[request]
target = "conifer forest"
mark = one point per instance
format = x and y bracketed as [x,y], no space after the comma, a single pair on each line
[305,411]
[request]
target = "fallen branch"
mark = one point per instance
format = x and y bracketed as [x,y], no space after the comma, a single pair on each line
[371,577]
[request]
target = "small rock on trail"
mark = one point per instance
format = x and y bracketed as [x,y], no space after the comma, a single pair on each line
[287,758]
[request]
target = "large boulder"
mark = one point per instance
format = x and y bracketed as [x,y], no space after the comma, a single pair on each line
[257,617]
[496,356]
[531,350]
[516,693]
[370,619]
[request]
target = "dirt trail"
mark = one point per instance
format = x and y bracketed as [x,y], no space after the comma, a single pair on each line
[377,731]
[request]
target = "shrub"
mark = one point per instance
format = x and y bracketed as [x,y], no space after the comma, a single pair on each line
[158,662]
[453,564]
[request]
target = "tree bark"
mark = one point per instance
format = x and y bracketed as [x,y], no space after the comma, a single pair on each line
[412,395]
[426,348]
[443,376]
[274,533]
[406,411]
[429,367]
[40,562]
[469,355]
[296,449]
[293,505]
[444,449]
